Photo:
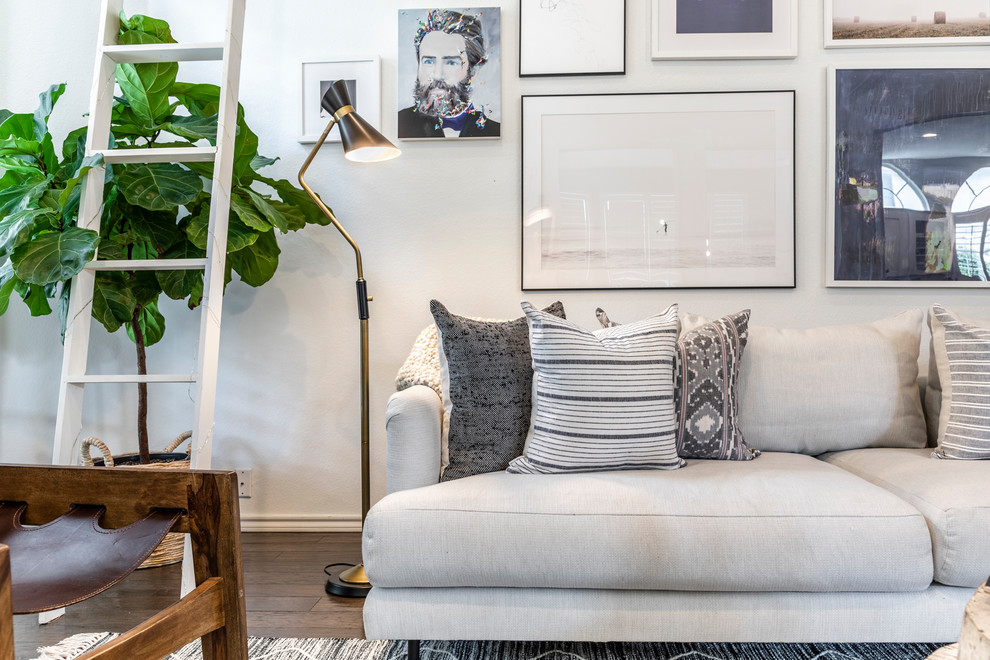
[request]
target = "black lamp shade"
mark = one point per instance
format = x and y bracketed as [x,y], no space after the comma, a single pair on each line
[361,141]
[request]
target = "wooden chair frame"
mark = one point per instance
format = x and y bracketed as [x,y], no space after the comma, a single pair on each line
[213,611]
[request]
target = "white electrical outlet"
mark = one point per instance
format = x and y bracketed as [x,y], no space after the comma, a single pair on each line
[244,482]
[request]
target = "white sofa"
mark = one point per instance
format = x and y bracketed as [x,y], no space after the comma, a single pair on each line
[844,529]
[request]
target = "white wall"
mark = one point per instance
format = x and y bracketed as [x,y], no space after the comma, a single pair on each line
[441,221]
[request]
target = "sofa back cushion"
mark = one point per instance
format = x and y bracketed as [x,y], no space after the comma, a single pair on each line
[831,388]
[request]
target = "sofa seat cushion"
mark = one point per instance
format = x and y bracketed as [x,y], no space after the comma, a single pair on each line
[783,522]
[954,497]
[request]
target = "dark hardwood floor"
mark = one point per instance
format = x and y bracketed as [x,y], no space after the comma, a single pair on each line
[283,583]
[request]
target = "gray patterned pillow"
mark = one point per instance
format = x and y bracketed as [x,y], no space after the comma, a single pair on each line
[487,378]
[705,390]
[962,355]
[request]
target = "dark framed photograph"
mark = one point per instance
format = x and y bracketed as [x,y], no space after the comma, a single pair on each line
[449,73]
[572,37]
[910,177]
[724,29]
[859,23]
[656,191]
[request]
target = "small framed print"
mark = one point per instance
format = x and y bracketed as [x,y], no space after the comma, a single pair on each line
[572,37]
[860,23]
[724,29]
[363,77]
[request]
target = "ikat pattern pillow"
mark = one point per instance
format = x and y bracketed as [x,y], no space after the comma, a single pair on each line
[603,400]
[487,379]
[962,355]
[706,392]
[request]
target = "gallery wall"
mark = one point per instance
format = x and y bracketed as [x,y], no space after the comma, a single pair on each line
[440,222]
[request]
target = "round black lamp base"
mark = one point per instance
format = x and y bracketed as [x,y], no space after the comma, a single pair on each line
[339,586]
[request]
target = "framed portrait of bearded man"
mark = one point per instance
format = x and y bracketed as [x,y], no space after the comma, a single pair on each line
[449,73]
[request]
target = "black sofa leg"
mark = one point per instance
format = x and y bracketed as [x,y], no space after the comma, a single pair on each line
[412,653]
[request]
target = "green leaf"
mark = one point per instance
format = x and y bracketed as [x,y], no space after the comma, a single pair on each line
[69,198]
[245,149]
[48,99]
[294,217]
[239,235]
[298,198]
[146,86]
[156,227]
[19,125]
[113,302]
[159,186]
[7,283]
[201,100]
[18,227]
[246,211]
[63,307]
[262,161]
[272,214]
[34,297]
[74,145]
[193,128]
[153,26]
[256,263]
[179,284]
[48,154]
[54,256]
[152,325]
[15,146]
[16,196]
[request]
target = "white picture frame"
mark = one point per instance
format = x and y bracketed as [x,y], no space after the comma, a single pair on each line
[576,38]
[923,238]
[658,191]
[672,41]
[842,23]
[365,72]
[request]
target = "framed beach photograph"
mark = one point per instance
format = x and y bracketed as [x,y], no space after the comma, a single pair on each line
[909,185]
[859,23]
[572,37]
[656,191]
[724,29]
[449,73]
[363,77]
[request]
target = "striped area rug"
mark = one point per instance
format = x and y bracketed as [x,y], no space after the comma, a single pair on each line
[284,648]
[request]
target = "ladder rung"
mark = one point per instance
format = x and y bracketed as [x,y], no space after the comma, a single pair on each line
[132,378]
[180,155]
[201,52]
[147,264]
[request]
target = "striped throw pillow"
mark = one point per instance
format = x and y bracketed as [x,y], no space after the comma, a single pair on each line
[962,354]
[602,400]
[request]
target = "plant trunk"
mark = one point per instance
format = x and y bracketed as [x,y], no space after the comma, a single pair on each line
[142,365]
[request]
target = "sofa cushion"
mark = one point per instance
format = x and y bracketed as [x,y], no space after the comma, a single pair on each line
[933,386]
[487,379]
[602,400]
[784,522]
[962,359]
[954,497]
[831,388]
[706,393]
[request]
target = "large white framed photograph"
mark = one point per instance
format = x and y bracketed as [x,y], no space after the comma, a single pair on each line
[655,191]
[573,38]
[724,29]
[859,23]
[363,77]
[909,177]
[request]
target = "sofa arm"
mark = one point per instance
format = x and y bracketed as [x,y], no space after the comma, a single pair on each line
[413,419]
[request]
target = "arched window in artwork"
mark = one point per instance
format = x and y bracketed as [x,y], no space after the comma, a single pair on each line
[900,192]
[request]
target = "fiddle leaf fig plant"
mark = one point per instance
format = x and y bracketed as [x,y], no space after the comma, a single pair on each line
[150,210]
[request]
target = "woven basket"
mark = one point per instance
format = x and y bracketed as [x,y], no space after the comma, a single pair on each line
[169,551]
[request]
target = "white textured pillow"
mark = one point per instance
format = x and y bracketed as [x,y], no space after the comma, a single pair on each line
[962,357]
[933,389]
[831,388]
[422,367]
[601,400]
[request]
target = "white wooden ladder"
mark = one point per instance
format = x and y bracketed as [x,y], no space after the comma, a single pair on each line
[68,425]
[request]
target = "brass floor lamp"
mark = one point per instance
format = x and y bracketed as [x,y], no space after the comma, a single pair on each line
[363,144]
